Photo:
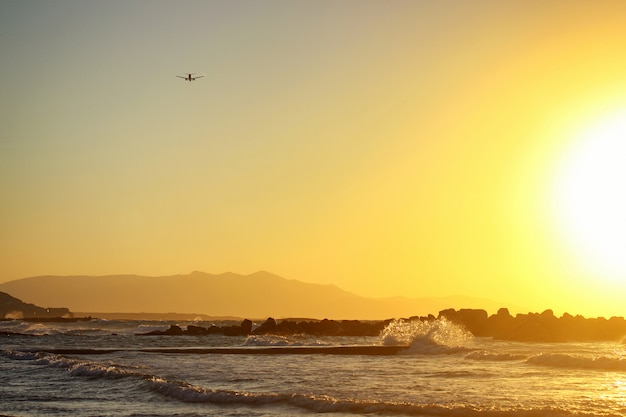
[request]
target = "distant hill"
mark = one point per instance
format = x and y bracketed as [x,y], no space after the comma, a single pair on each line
[14,308]
[257,295]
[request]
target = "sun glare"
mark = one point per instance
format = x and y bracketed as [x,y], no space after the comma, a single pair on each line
[590,197]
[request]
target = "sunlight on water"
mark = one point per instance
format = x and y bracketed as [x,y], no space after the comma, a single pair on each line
[425,335]
[445,372]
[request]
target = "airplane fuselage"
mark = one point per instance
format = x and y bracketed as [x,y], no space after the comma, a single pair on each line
[190,77]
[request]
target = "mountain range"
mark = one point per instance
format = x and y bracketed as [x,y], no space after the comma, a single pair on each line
[257,295]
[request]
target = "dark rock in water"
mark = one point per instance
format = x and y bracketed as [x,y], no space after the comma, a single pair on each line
[473,320]
[174,330]
[322,328]
[537,327]
[501,324]
[232,331]
[270,323]
[285,327]
[196,330]
[246,327]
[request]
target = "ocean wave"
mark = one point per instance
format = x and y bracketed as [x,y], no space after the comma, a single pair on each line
[561,360]
[52,329]
[94,327]
[273,340]
[327,404]
[30,329]
[75,367]
[147,328]
[482,355]
[19,355]
[185,392]
[430,337]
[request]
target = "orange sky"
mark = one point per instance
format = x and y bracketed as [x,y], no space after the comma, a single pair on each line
[390,148]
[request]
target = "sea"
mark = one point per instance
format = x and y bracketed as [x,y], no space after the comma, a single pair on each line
[103,368]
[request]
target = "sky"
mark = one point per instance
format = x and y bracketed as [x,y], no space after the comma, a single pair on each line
[408,148]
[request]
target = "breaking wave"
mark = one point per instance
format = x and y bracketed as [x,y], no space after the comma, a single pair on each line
[317,403]
[186,392]
[94,327]
[29,329]
[436,336]
[560,360]
[74,366]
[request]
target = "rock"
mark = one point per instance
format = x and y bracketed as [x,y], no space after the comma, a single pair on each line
[246,327]
[196,330]
[473,320]
[268,326]
[174,330]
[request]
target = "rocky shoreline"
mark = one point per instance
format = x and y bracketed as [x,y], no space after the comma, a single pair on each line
[284,327]
[538,327]
[531,327]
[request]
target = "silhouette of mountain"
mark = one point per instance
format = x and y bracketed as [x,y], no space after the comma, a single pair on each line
[257,295]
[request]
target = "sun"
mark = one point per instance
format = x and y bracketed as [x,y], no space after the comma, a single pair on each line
[589,197]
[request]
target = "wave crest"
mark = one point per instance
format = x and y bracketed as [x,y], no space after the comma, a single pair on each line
[561,360]
[28,329]
[435,336]
[74,366]
[185,392]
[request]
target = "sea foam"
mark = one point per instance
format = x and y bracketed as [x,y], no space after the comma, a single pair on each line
[435,336]
[275,340]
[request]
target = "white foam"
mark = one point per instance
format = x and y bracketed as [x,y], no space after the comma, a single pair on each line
[436,336]
[266,340]
[274,340]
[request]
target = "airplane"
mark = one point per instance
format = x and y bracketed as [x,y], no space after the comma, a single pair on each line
[190,77]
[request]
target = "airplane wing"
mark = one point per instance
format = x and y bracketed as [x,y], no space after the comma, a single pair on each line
[180,76]
[198,76]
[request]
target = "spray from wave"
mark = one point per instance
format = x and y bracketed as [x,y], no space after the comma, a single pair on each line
[434,336]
